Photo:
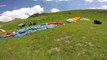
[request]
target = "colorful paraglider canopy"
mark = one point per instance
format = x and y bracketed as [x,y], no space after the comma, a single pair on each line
[68,20]
[8,33]
[73,19]
[55,23]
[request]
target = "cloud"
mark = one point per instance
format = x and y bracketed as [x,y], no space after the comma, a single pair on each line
[91,8]
[3,5]
[102,0]
[90,1]
[102,7]
[56,0]
[48,0]
[55,10]
[21,13]
[35,0]
[63,0]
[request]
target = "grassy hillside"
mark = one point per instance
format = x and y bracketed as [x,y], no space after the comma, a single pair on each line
[82,40]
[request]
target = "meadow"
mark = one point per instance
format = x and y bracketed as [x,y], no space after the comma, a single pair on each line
[82,40]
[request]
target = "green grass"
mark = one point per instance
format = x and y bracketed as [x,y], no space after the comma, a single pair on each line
[82,40]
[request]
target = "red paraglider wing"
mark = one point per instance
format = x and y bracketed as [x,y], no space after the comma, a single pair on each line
[55,23]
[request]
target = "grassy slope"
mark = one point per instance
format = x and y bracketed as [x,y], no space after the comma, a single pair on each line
[82,40]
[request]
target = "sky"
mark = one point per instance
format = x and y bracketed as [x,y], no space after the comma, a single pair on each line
[11,9]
